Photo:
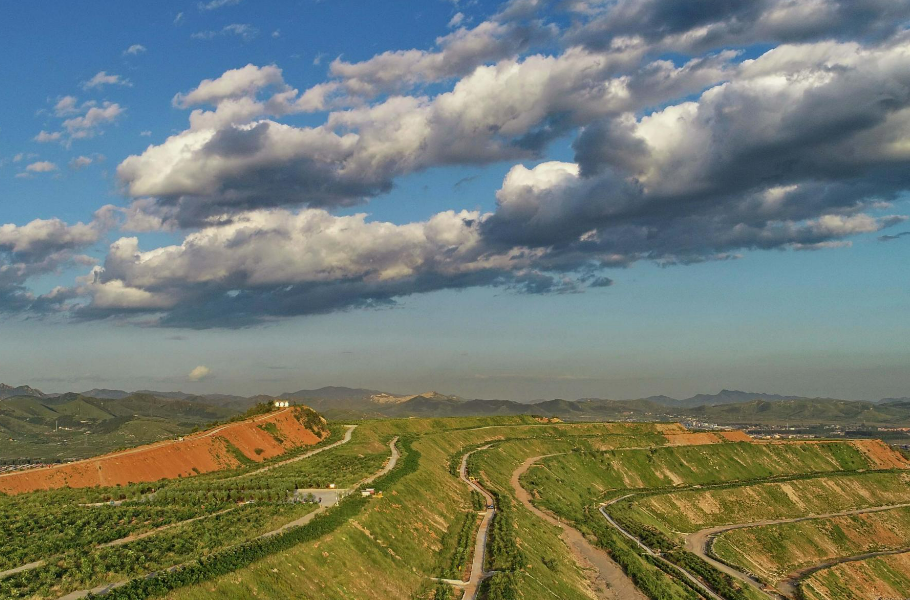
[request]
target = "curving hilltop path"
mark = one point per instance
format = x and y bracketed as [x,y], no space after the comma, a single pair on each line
[347,438]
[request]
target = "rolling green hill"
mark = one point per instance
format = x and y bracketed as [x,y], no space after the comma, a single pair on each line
[77,426]
[806,410]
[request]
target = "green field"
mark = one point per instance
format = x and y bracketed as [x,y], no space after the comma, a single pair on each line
[663,493]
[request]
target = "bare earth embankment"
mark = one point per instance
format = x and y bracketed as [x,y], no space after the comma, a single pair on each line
[256,439]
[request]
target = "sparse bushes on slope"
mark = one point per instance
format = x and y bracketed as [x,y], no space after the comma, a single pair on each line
[500,586]
[463,531]
[503,554]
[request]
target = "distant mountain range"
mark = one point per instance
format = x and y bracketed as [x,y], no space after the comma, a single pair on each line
[342,396]
[723,397]
[727,406]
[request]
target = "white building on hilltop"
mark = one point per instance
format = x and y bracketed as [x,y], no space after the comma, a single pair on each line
[281,404]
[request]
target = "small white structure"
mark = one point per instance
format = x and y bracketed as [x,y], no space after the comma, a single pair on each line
[281,403]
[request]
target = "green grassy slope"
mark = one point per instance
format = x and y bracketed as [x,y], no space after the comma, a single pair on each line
[72,426]
[771,552]
[577,479]
[689,511]
[871,579]
[394,546]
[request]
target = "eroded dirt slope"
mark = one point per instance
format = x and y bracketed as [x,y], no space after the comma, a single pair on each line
[256,439]
[686,438]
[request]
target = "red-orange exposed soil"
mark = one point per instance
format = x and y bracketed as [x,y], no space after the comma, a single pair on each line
[670,428]
[697,439]
[735,435]
[881,455]
[199,453]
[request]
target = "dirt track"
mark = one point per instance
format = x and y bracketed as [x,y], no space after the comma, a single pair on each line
[480,543]
[613,583]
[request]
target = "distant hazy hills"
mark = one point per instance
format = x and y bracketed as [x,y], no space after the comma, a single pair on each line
[8,391]
[723,397]
[727,406]
[40,426]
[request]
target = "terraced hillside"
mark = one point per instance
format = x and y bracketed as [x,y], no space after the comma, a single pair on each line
[688,511]
[869,579]
[523,521]
[663,507]
[62,541]
[774,552]
[398,544]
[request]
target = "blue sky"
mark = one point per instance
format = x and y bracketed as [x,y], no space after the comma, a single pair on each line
[647,211]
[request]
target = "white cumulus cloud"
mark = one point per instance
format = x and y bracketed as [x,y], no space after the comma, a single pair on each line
[199,373]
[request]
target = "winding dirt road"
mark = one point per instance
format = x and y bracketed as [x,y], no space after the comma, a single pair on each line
[611,583]
[390,464]
[480,542]
[791,583]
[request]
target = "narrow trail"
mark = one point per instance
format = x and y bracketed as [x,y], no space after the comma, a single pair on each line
[700,543]
[20,569]
[480,543]
[393,460]
[615,584]
[390,464]
[791,583]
